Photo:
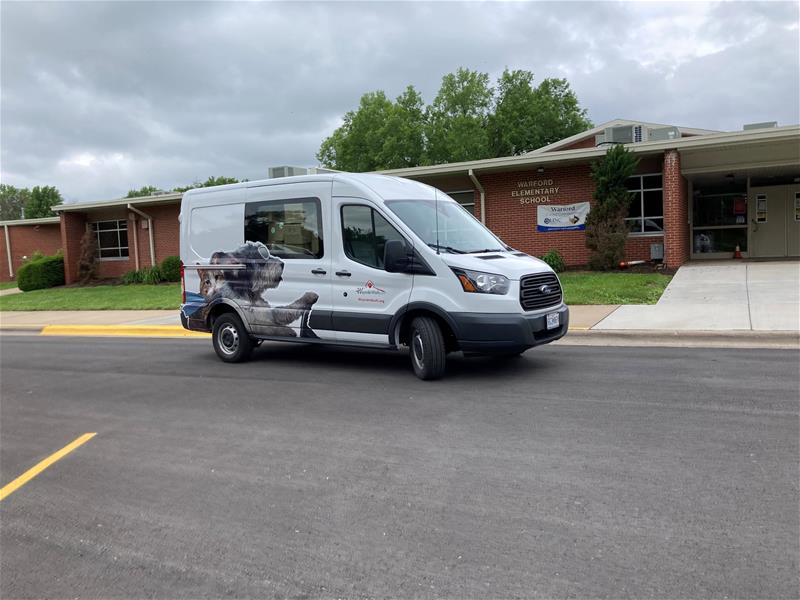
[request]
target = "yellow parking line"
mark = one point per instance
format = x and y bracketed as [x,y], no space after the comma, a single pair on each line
[34,471]
[122,331]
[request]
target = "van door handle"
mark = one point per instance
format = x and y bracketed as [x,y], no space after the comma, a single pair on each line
[343,273]
[318,271]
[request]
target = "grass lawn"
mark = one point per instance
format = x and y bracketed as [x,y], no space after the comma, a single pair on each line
[579,288]
[613,288]
[101,297]
[7,285]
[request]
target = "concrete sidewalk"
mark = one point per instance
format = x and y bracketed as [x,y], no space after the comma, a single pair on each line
[32,319]
[727,296]
[581,317]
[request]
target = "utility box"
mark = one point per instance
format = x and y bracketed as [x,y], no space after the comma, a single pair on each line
[656,251]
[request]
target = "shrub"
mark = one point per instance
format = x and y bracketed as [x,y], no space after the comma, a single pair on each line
[87,263]
[151,275]
[41,273]
[555,260]
[606,230]
[171,268]
[132,277]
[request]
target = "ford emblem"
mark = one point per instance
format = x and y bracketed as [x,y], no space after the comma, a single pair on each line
[544,289]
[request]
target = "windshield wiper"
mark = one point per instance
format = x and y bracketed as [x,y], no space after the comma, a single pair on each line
[485,250]
[447,248]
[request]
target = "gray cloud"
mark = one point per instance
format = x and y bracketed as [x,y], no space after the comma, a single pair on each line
[100,97]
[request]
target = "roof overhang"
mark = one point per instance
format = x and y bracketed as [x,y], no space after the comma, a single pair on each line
[142,201]
[41,221]
[523,162]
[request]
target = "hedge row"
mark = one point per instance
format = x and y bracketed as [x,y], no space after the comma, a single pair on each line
[40,273]
[168,270]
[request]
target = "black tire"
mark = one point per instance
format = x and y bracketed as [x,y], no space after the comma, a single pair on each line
[428,352]
[231,340]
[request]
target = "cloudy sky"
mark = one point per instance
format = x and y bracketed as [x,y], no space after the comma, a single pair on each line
[100,97]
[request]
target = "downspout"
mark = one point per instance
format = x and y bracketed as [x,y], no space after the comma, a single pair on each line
[149,230]
[8,253]
[483,194]
[135,242]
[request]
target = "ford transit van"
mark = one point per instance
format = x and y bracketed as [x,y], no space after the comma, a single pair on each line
[358,260]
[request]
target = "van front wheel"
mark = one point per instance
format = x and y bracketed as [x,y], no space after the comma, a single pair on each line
[428,352]
[231,341]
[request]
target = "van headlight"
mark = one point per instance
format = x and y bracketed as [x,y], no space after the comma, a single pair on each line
[482,283]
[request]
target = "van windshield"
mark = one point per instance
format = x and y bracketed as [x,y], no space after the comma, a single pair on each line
[459,231]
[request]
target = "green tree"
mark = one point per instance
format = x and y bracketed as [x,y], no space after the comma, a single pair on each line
[403,133]
[210,182]
[358,144]
[12,201]
[147,190]
[606,230]
[527,117]
[465,122]
[456,128]
[559,112]
[41,202]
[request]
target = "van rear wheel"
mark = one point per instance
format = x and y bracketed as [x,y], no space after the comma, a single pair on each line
[231,341]
[428,352]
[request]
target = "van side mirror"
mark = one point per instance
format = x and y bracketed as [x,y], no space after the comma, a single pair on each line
[396,258]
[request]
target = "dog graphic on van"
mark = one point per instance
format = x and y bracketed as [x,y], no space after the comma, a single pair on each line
[252,272]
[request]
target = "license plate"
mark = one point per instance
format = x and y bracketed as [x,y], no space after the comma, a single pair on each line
[553,320]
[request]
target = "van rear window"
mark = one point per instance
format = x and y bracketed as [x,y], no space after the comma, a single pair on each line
[289,228]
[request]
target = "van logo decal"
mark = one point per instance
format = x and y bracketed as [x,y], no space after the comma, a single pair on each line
[369,292]
[544,289]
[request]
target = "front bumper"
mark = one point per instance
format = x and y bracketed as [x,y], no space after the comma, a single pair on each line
[491,333]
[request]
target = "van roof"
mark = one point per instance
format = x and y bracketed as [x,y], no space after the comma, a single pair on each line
[388,187]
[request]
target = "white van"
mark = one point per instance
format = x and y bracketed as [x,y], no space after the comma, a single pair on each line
[358,260]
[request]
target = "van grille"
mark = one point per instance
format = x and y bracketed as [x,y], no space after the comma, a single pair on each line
[531,296]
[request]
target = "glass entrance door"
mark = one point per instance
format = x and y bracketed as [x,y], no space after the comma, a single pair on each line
[719,218]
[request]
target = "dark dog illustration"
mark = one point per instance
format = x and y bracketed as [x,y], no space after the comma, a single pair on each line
[247,285]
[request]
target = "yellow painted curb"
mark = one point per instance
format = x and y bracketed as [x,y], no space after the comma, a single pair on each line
[122,331]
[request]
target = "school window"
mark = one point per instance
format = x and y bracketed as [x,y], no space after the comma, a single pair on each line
[288,228]
[365,233]
[465,199]
[646,211]
[112,238]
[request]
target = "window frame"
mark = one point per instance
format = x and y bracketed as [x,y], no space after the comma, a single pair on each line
[471,205]
[639,192]
[283,202]
[372,221]
[119,247]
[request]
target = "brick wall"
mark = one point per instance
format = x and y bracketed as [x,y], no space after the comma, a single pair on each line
[25,240]
[515,222]
[676,212]
[166,240]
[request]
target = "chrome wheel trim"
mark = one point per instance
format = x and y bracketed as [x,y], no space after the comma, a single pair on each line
[418,351]
[228,339]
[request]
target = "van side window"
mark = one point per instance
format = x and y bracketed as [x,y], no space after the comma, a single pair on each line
[289,228]
[365,233]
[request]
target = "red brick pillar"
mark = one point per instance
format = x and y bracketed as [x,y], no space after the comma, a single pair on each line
[676,212]
[73,226]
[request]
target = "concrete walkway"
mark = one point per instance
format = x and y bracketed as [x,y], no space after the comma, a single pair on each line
[581,317]
[10,291]
[720,296]
[34,319]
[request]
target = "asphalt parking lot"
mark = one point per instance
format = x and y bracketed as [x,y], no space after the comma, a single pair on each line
[312,472]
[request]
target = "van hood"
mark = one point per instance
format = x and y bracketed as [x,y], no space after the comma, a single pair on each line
[509,264]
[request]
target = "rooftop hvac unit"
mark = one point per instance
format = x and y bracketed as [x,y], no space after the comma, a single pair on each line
[619,135]
[286,171]
[661,134]
[764,125]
